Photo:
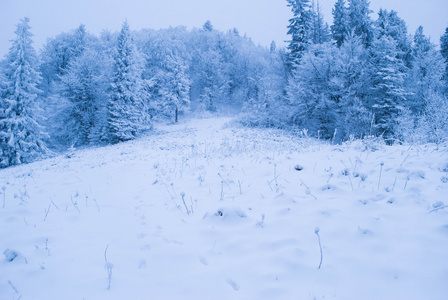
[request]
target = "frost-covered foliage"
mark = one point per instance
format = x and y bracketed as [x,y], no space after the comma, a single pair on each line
[360,22]
[21,137]
[362,78]
[431,126]
[373,81]
[168,80]
[387,88]
[300,30]
[266,106]
[444,50]
[127,115]
[320,31]
[390,24]
[327,91]
[340,28]
[84,87]
[59,52]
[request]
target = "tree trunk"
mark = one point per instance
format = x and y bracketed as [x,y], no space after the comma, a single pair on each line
[176,115]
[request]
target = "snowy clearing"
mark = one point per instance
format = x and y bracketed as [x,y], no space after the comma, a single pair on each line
[207,209]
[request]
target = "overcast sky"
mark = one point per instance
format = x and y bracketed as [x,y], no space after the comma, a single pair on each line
[262,20]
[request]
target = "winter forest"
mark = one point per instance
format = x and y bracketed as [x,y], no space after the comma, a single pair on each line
[195,164]
[362,76]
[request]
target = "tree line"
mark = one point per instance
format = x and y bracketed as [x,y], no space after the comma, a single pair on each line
[356,78]
[361,77]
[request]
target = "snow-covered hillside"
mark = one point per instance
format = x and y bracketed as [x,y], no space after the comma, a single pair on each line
[209,210]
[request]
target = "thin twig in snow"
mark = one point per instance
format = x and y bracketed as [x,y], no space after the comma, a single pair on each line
[381,171]
[54,203]
[96,203]
[4,195]
[316,231]
[404,160]
[75,205]
[239,185]
[108,266]
[219,174]
[351,184]
[438,208]
[46,212]
[12,286]
[222,190]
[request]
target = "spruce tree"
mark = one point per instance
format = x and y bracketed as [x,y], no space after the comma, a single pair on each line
[426,74]
[127,113]
[207,26]
[388,23]
[320,32]
[174,87]
[84,88]
[299,29]
[20,134]
[340,28]
[353,73]
[444,50]
[421,42]
[360,22]
[388,95]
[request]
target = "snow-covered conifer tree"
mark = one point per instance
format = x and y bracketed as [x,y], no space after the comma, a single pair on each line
[59,52]
[20,134]
[388,23]
[127,112]
[207,26]
[359,20]
[320,32]
[313,91]
[352,68]
[388,94]
[421,42]
[84,86]
[299,29]
[340,28]
[444,50]
[273,47]
[175,89]
[426,73]
[212,79]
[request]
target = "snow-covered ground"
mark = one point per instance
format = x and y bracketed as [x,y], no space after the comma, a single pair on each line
[209,210]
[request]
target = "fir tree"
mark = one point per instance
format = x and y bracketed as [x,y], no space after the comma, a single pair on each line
[444,50]
[352,70]
[388,93]
[59,52]
[313,91]
[359,20]
[320,32]
[388,23]
[84,87]
[207,26]
[299,29]
[20,134]
[174,87]
[80,41]
[127,113]
[340,27]
[426,73]
[212,78]
[273,47]
[421,42]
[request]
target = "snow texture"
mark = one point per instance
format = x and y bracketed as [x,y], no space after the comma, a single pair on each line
[206,209]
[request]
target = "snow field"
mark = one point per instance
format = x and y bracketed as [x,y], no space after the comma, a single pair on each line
[209,210]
